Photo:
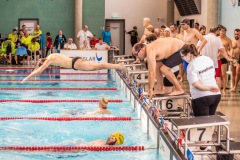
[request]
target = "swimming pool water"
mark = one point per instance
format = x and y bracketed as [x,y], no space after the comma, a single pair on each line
[37,132]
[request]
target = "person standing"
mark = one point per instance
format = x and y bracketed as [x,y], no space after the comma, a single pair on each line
[106,35]
[134,35]
[201,77]
[48,42]
[227,44]
[84,35]
[37,32]
[236,55]
[60,40]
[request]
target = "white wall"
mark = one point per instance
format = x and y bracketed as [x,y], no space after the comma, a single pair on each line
[133,11]
[229,16]
[200,18]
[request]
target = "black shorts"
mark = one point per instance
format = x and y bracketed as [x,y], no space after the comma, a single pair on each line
[223,60]
[7,53]
[29,53]
[173,60]
[166,82]
[205,106]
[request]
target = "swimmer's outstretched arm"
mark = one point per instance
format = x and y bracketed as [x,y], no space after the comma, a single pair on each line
[38,70]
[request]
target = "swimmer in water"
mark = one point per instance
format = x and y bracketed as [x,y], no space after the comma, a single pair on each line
[103,103]
[75,63]
[115,139]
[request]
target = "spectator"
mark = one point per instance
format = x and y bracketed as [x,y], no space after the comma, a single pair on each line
[94,41]
[102,45]
[134,35]
[173,32]
[37,32]
[13,36]
[84,46]
[167,32]
[24,28]
[26,39]
[196,26]
[106,35]
[202,30]
[48,42]
[60,40]
[32,48]
[70,45]
[84,35]
[8,47]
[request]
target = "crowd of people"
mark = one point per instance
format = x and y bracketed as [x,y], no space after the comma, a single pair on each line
[29,44]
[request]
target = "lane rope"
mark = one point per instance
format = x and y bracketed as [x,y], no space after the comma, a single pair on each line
[82,80]
[73,148]
[82,73]
[68,118]
[59,100]
[60,89]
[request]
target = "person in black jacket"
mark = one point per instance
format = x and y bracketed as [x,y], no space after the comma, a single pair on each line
[60,40]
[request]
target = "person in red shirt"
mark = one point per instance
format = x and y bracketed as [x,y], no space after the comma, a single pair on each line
[94,41]
[49,42]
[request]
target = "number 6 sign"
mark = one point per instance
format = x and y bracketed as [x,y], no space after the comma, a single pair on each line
[170,104]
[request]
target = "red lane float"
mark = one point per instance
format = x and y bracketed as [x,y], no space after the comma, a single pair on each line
[59,89]
[82,73]
[73,148]
[68,118]
[58,100]
[81,80]
[30,68]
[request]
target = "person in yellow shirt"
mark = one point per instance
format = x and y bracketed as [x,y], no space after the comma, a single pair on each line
[37,32]
[13,36]
[32,48]
[26,39]
[8,48]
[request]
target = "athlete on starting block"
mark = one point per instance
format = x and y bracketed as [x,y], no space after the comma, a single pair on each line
[75,63]
[166,52]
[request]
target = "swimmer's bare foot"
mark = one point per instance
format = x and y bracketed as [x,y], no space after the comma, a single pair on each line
[233,90]
[223,91]
[176,93]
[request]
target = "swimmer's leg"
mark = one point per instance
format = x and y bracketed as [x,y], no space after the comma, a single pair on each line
[171,77]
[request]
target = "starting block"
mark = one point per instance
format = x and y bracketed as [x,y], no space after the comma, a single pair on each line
[125,61]
[134,66]
[137,74]
[115,58]
[199,129]
[169,107]
[144,85]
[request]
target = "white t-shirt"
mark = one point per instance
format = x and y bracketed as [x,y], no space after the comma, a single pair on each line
[101,47]
[70,46]
[201,69]
[83,36]
[211,48]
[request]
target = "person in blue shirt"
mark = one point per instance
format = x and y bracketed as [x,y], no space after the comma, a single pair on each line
[106,35]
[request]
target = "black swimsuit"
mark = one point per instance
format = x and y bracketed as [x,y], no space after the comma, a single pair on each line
[74,61]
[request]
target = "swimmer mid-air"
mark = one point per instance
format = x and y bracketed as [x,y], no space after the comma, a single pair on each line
[75,63]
